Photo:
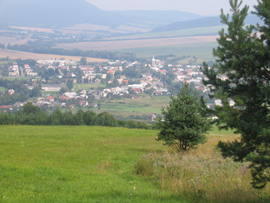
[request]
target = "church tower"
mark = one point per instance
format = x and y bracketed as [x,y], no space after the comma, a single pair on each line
[153,62]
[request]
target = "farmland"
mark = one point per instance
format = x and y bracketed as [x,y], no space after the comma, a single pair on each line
[79,28]
[14,40]
[92,27]
[200,31]
[203,51]
[97,164]
[140,43]
[27,55]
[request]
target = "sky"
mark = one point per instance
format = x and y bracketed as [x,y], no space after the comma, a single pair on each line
[201,7]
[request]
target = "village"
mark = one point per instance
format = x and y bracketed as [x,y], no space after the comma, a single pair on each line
[56,79]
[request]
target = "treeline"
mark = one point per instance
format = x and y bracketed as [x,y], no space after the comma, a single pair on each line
[33,115]
[36,48]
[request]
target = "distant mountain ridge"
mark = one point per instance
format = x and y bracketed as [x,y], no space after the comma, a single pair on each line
[201,22]
[165,17]
[65,13]
[59,13]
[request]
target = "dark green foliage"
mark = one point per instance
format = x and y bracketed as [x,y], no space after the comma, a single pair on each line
[29,108]
[35,92]
[83,61]
[32,115]
[22,93]
[132,73]
[244,57]
[70,84]
[184,126]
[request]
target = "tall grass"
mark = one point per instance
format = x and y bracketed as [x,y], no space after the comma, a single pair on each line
[201,175]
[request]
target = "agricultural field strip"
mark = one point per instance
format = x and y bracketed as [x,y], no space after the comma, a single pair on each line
[27,55]
[126,44]
[169,34]
[85,27]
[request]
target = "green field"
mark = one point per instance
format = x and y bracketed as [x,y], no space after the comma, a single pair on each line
[74,164]
[203,51]
[142,106]
[88,86]
[200,31]
[97,164]
[2,89]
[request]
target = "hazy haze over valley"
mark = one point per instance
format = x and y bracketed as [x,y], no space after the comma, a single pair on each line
[206,7]
[146,14]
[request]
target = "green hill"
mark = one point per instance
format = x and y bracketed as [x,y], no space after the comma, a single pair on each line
[97,164]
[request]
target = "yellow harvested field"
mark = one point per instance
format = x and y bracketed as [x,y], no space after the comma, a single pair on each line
[140,43]
[46,30]
[7,40]
[26,55]
[14,40]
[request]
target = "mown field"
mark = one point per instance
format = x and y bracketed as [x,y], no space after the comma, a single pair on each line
[87,86]
[100,164]
[138,43]
[27,55]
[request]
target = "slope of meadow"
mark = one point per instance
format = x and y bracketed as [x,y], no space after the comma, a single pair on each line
[97,164]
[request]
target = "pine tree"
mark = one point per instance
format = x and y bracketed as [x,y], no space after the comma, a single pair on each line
[184,125]
[243,56]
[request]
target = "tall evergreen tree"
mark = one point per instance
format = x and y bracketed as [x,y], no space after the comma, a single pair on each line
[243,56]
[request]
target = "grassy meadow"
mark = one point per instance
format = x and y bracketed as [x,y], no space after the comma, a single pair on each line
[102,164]
[88,86]
[141,106]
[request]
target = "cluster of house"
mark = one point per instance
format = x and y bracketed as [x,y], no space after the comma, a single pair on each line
[29,71]
[13,71]
[16,71]
[50,101]
[61,62]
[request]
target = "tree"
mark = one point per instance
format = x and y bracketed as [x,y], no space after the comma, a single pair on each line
[35,92]
[184,125]
[63,90]
[29,108]
[83,61]
[70,84]
[243,56]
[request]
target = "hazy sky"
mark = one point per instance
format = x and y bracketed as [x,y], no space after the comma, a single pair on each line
[202,7]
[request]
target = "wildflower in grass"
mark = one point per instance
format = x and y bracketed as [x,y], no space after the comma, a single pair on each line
[243,170]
